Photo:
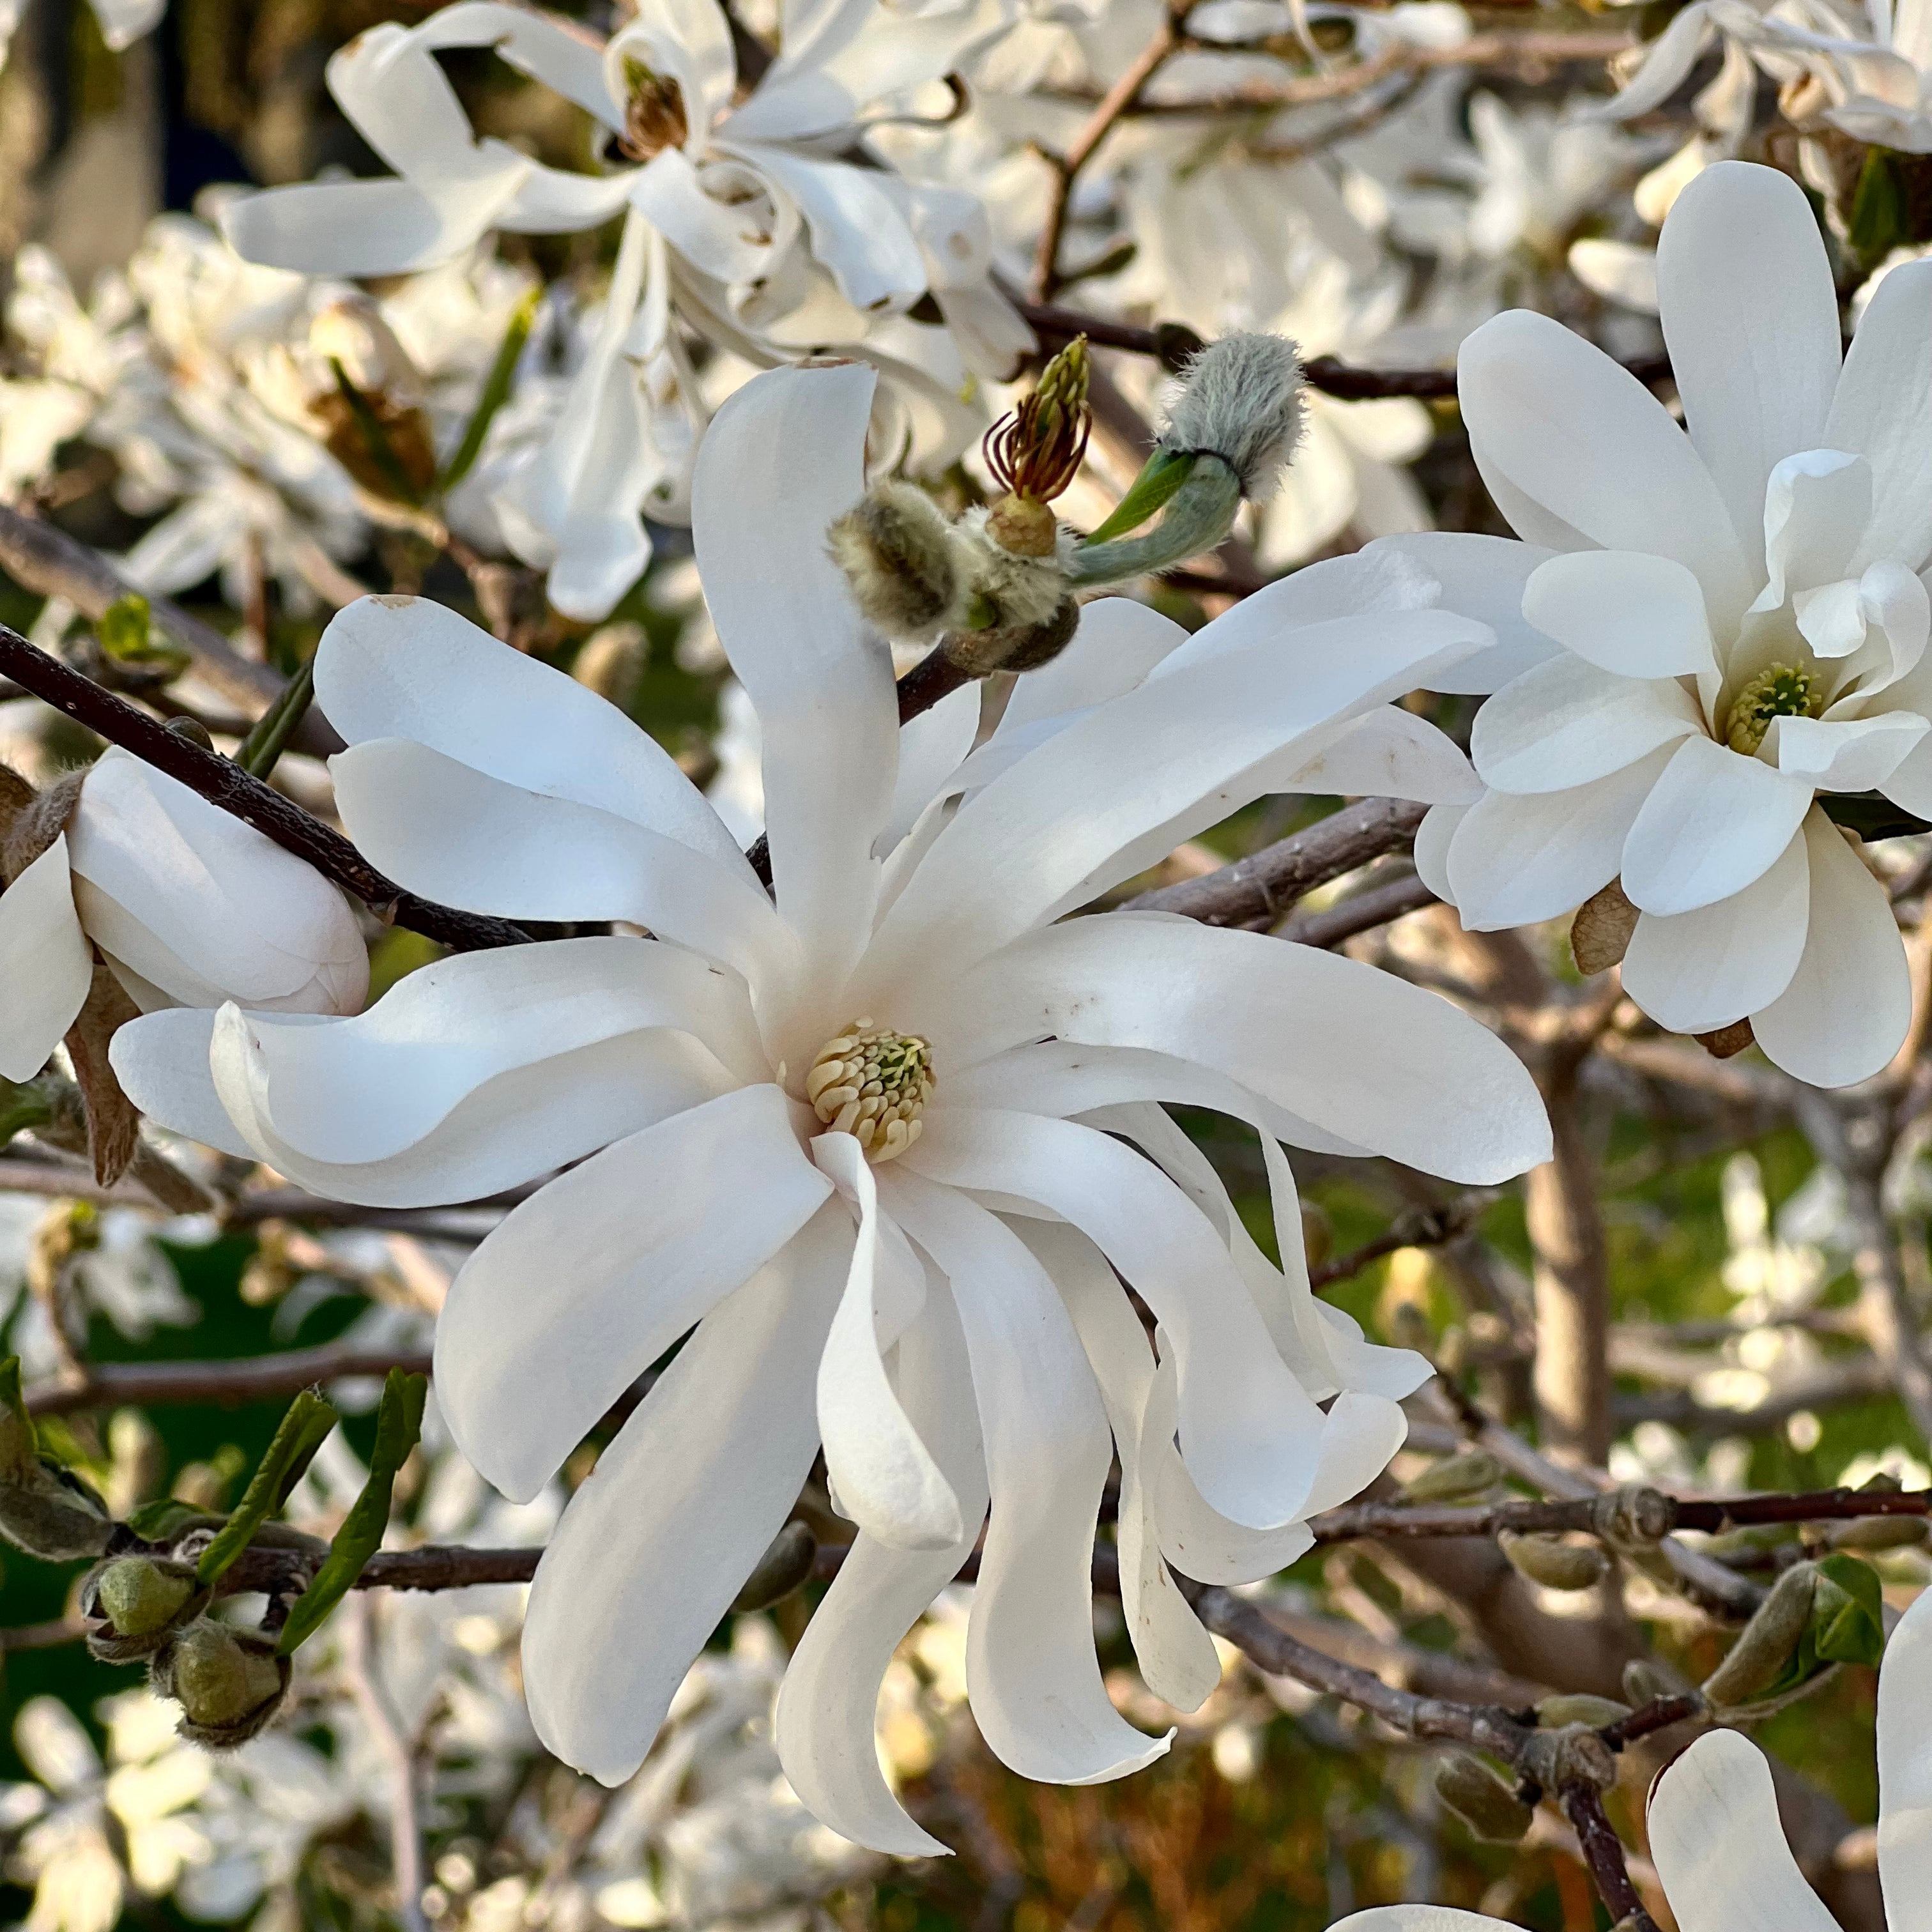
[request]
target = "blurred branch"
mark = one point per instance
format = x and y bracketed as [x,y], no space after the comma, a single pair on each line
[247,1378]
[406,1851]
[46,560]
[1419,1227]
[224,783]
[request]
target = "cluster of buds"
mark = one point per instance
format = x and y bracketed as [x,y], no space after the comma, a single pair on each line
[133,1605]
[998,590]
[229,1682]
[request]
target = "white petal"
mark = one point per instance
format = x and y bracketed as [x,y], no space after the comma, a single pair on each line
[857,230]
[125,22]
[408,668]
[1433,837]
[1118,645]
[1697,971]
[370,227]
[1846,1009]
[1816,505]
[1031,1669]
[1713,822]
[1555,424]
[1667,65]
[828,1704]
[1719,1849]
[668,194]
[161,1062]
[1177,1656]
[1831,619]
[1249,1431]
[1518,858]
[45,963]
[1563,723]
[666,1529]
[1390,753]
[1481,577]
[218,897]
[1905,1768]
[455,834]
[587,1283]
[1750,318]
[1635,615]
[782,458]
[1882,409]
[1850,754]
[1383,1065]
[887,1481]
[1059,826]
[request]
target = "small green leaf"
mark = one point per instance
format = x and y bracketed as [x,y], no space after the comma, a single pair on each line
[1879,219]
[1166,470]
[495,392]
[126,632]
[1848,1614]
[302,1433]
[163,1520]
[263,745]
[398,1426]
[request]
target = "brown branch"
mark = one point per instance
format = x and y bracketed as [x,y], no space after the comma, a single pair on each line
[1604,1857]
[44,559]
[1262,886]
[1420,1227]
[247,1378]
[1379,904]
[224,783]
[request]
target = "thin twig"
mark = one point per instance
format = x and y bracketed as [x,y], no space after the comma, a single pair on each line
[224,783]
[405,1850]
[247,1378]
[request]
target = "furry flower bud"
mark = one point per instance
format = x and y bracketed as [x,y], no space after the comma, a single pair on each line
[1240,399]
[1879,1532]
[229,1683]
[1579,1707]
[1764,1646]
[897,552]
[1483,1802]
[1456,1478]
[133,1604]
[1555,1564]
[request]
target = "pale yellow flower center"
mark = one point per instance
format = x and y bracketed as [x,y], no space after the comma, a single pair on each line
[1778,691]
[873,1084]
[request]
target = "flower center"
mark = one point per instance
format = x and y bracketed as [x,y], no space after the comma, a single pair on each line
[873,1084]
[1779,690]
[654,116]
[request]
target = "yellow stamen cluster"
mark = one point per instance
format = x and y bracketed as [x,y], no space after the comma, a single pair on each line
[872,1084]
[1779,690]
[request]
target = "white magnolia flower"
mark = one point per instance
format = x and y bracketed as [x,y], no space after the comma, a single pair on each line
[916,1274]
[1720,1851]
[187,905]
[1737,629]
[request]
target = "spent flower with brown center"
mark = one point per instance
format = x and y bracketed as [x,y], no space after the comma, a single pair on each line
[654,115]
[1035,452]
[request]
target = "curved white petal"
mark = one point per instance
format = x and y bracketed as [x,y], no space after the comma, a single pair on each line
[1433,838]
[1719,1849]
[1553,421]
[1565,722]
[1905,1768]
[454,834]
[45,963]
[1516,858]
[1882,409]
[1249,1431]
[1713,822]
[1382,1065]
[1390,753]
[1847,754]
[1177,1656]
[1816,505]
[665,1529]
[588,1282]
[1846,1011]
[857,228]
[393,667]
[371,227]
[1750,318]
[1481,577]
[161,1062]
[887,1481]
[828,1704]
[1696,971]
[1032,1673]
[1624,611]
[238,911]
[782,458]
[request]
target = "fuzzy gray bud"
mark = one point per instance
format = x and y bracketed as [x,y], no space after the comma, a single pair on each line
[229,1683]
[1555,1564]
[132,1602]
[1765,1644]
[1879,1532]
[1483,1802]
[897,551]
[1579,1707]
[1456,1479]
[1240,399]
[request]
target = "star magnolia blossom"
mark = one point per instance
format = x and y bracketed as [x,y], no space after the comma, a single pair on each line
[1738,628]
[855,1135]
[187,906]
[1720,1851]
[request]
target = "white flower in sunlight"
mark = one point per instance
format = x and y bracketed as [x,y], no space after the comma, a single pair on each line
[1716,1841]
[187,905]
[1738,632]
[856,1135]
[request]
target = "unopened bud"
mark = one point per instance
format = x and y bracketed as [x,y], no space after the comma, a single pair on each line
[1483,1802]
[132,1604]
[897,552]
[1879,1532]
[229,1683]
[1458,1477]
[1600,934]
[1014,647]
[1240,399]
[1645,1682]
[1579,1707]
[193,731]
[1764,1646]
[1555,1564]
[782,1568]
